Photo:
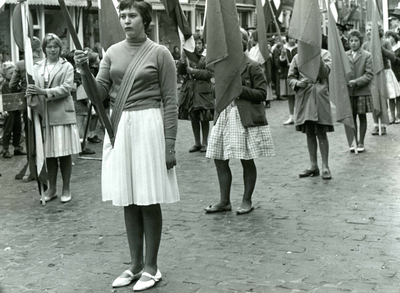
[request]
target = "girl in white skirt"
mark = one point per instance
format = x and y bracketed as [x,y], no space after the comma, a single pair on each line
[51,97]
[138,166]
[238,136]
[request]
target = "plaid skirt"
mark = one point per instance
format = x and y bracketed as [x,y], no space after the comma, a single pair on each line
[362,104]
[230,140]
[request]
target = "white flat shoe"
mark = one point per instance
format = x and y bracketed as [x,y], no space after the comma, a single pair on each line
[65,198]
[49,198]
[124,281]
[143,285]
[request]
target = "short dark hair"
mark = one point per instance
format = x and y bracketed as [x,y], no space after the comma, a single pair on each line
[92,57]
[51,38]
[357,34]
[145,9]
[198,36]
[393,34]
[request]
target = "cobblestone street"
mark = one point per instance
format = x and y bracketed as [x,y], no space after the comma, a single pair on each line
[305,235]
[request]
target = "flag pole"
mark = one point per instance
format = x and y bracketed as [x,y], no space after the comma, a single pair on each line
[35,119]
[277,28]
[93,94]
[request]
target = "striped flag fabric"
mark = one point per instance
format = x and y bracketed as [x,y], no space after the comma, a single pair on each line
[338,77]
[224,51]
[110,28]
[305,27]
[37,160]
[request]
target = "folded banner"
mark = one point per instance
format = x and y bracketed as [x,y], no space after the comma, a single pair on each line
[305,27]
[340,74]
[224,51]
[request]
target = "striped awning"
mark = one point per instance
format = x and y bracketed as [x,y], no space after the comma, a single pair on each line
[55,2]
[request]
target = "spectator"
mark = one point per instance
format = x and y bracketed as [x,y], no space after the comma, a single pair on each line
[51,97]
[12,123]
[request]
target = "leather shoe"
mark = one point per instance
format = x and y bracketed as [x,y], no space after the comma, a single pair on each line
[326,175]
[49,198]
[143,285]
[309,173]
[203,149]
[94,139]
[242,211]
[87,151]
[195,148]
[288,122]
[375,131]
[218,209]
[124,281]
[66,198]
[7,155]
[18,152]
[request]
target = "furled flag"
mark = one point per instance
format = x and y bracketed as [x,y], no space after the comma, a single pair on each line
[378,83]
[175,12]
[338,77]
[224,51]
[263,20]
[305,27]
[37,161]
[110,28]
[276,7]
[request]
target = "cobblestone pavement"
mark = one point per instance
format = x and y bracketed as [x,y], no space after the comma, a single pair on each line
[305,235]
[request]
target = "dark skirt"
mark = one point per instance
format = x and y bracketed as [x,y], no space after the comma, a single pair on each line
[361,104]
[312,128]
[196,115]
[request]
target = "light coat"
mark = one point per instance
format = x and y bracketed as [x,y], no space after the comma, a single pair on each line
[312,102]
[362,72]
[58,102]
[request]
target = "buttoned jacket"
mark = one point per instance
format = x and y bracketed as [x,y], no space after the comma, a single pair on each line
[362,72]
[57,105]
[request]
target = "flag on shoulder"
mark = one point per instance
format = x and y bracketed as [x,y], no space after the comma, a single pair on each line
[378,83]
[224,51]
[338,78]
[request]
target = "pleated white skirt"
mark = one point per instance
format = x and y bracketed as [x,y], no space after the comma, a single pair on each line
[134,171]
[61,140]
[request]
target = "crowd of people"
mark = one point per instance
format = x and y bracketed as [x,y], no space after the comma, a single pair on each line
[137,81]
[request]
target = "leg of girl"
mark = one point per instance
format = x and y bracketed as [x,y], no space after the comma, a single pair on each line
[249,179]
[52,169]
[66,171]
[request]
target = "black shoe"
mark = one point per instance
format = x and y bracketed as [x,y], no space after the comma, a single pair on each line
[94,139]
[18,152]
[7,155]
[383,131]
[309,173]
[195,148]
[375,131]
[87,151]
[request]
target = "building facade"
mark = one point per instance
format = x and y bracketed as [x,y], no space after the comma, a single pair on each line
[47,18]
